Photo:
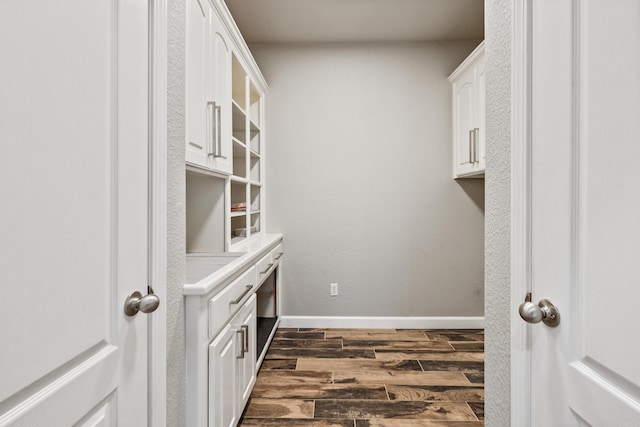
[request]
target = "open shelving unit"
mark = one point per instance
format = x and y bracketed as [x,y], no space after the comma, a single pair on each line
[246,181]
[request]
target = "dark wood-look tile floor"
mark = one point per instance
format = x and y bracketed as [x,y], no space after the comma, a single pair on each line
[370,378]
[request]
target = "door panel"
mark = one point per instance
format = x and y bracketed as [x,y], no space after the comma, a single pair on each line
[73,175]
[585,199]
[465,101]
[197,54]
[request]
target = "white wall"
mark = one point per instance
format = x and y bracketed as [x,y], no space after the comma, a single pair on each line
[176,214]
[498,307]
[359,180]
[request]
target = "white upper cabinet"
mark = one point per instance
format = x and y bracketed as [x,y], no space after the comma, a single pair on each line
[468,82]
[208,93]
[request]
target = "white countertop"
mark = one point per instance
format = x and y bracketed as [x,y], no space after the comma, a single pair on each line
[206,271]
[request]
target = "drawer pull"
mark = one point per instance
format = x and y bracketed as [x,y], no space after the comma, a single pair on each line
[241,348]
[267,269]
[279,256]
[246,291]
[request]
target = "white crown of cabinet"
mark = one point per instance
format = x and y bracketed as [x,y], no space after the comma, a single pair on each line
[468,87]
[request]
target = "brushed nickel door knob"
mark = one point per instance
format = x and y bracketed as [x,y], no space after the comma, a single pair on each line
[544,312]
[136,302]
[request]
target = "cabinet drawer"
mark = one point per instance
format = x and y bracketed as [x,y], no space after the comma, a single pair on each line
[277,253]
[228,301]
[263,267]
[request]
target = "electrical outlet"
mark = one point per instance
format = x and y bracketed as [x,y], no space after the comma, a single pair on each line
[333,289]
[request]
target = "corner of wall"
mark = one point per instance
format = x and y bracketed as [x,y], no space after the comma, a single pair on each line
[176,258]
[498,16]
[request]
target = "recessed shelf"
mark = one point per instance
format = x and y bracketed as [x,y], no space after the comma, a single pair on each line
[238,141]
[254,106]
[239,159]
[238,82]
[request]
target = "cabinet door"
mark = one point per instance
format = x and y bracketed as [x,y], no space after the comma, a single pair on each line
[464,118]
[223,392]
[480,103]
[198,144]
[219,93]
[246,321]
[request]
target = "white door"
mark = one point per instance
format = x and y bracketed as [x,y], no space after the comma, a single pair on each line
[74,121]
[585,205]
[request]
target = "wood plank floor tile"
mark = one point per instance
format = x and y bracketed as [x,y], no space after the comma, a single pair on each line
[386,354]
[293,343]
[281,408]
[400,377]
[478,409]
[357,365]
[452,365]
[416,423]
[322,391]
[280,334]
[379,378]
[275,377]
[477,378]
[359,409]
[456,331]
[409,335]
[429,393]
[288,364]
[446,336]
[276,422]
[397,345]
[467,346]
[342,330]
[331,353]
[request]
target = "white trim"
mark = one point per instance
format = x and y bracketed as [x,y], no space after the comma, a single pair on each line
[520,211]
[382,322]
[157,378]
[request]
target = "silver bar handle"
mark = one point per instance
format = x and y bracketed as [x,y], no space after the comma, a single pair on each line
[216,132]
[473,146]
[245,341]
[476,144]
[241,352]
[470,146]
[218,115]
[276,258]
[267,269]
[211,108]
[247,289]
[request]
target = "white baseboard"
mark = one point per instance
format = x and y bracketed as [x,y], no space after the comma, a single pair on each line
[382,322]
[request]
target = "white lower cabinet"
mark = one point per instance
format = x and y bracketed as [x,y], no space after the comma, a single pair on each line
[232,367]
[246,362]
[231,314]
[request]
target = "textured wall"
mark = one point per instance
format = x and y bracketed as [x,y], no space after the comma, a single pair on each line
[359,180]
[498,213]
[176,231]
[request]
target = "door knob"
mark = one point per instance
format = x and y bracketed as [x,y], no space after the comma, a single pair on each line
[136,302]
[545,311]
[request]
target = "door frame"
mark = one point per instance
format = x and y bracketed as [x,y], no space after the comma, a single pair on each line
[157,349]
[521,53]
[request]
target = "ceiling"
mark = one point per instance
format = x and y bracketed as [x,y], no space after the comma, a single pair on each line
[331,21]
